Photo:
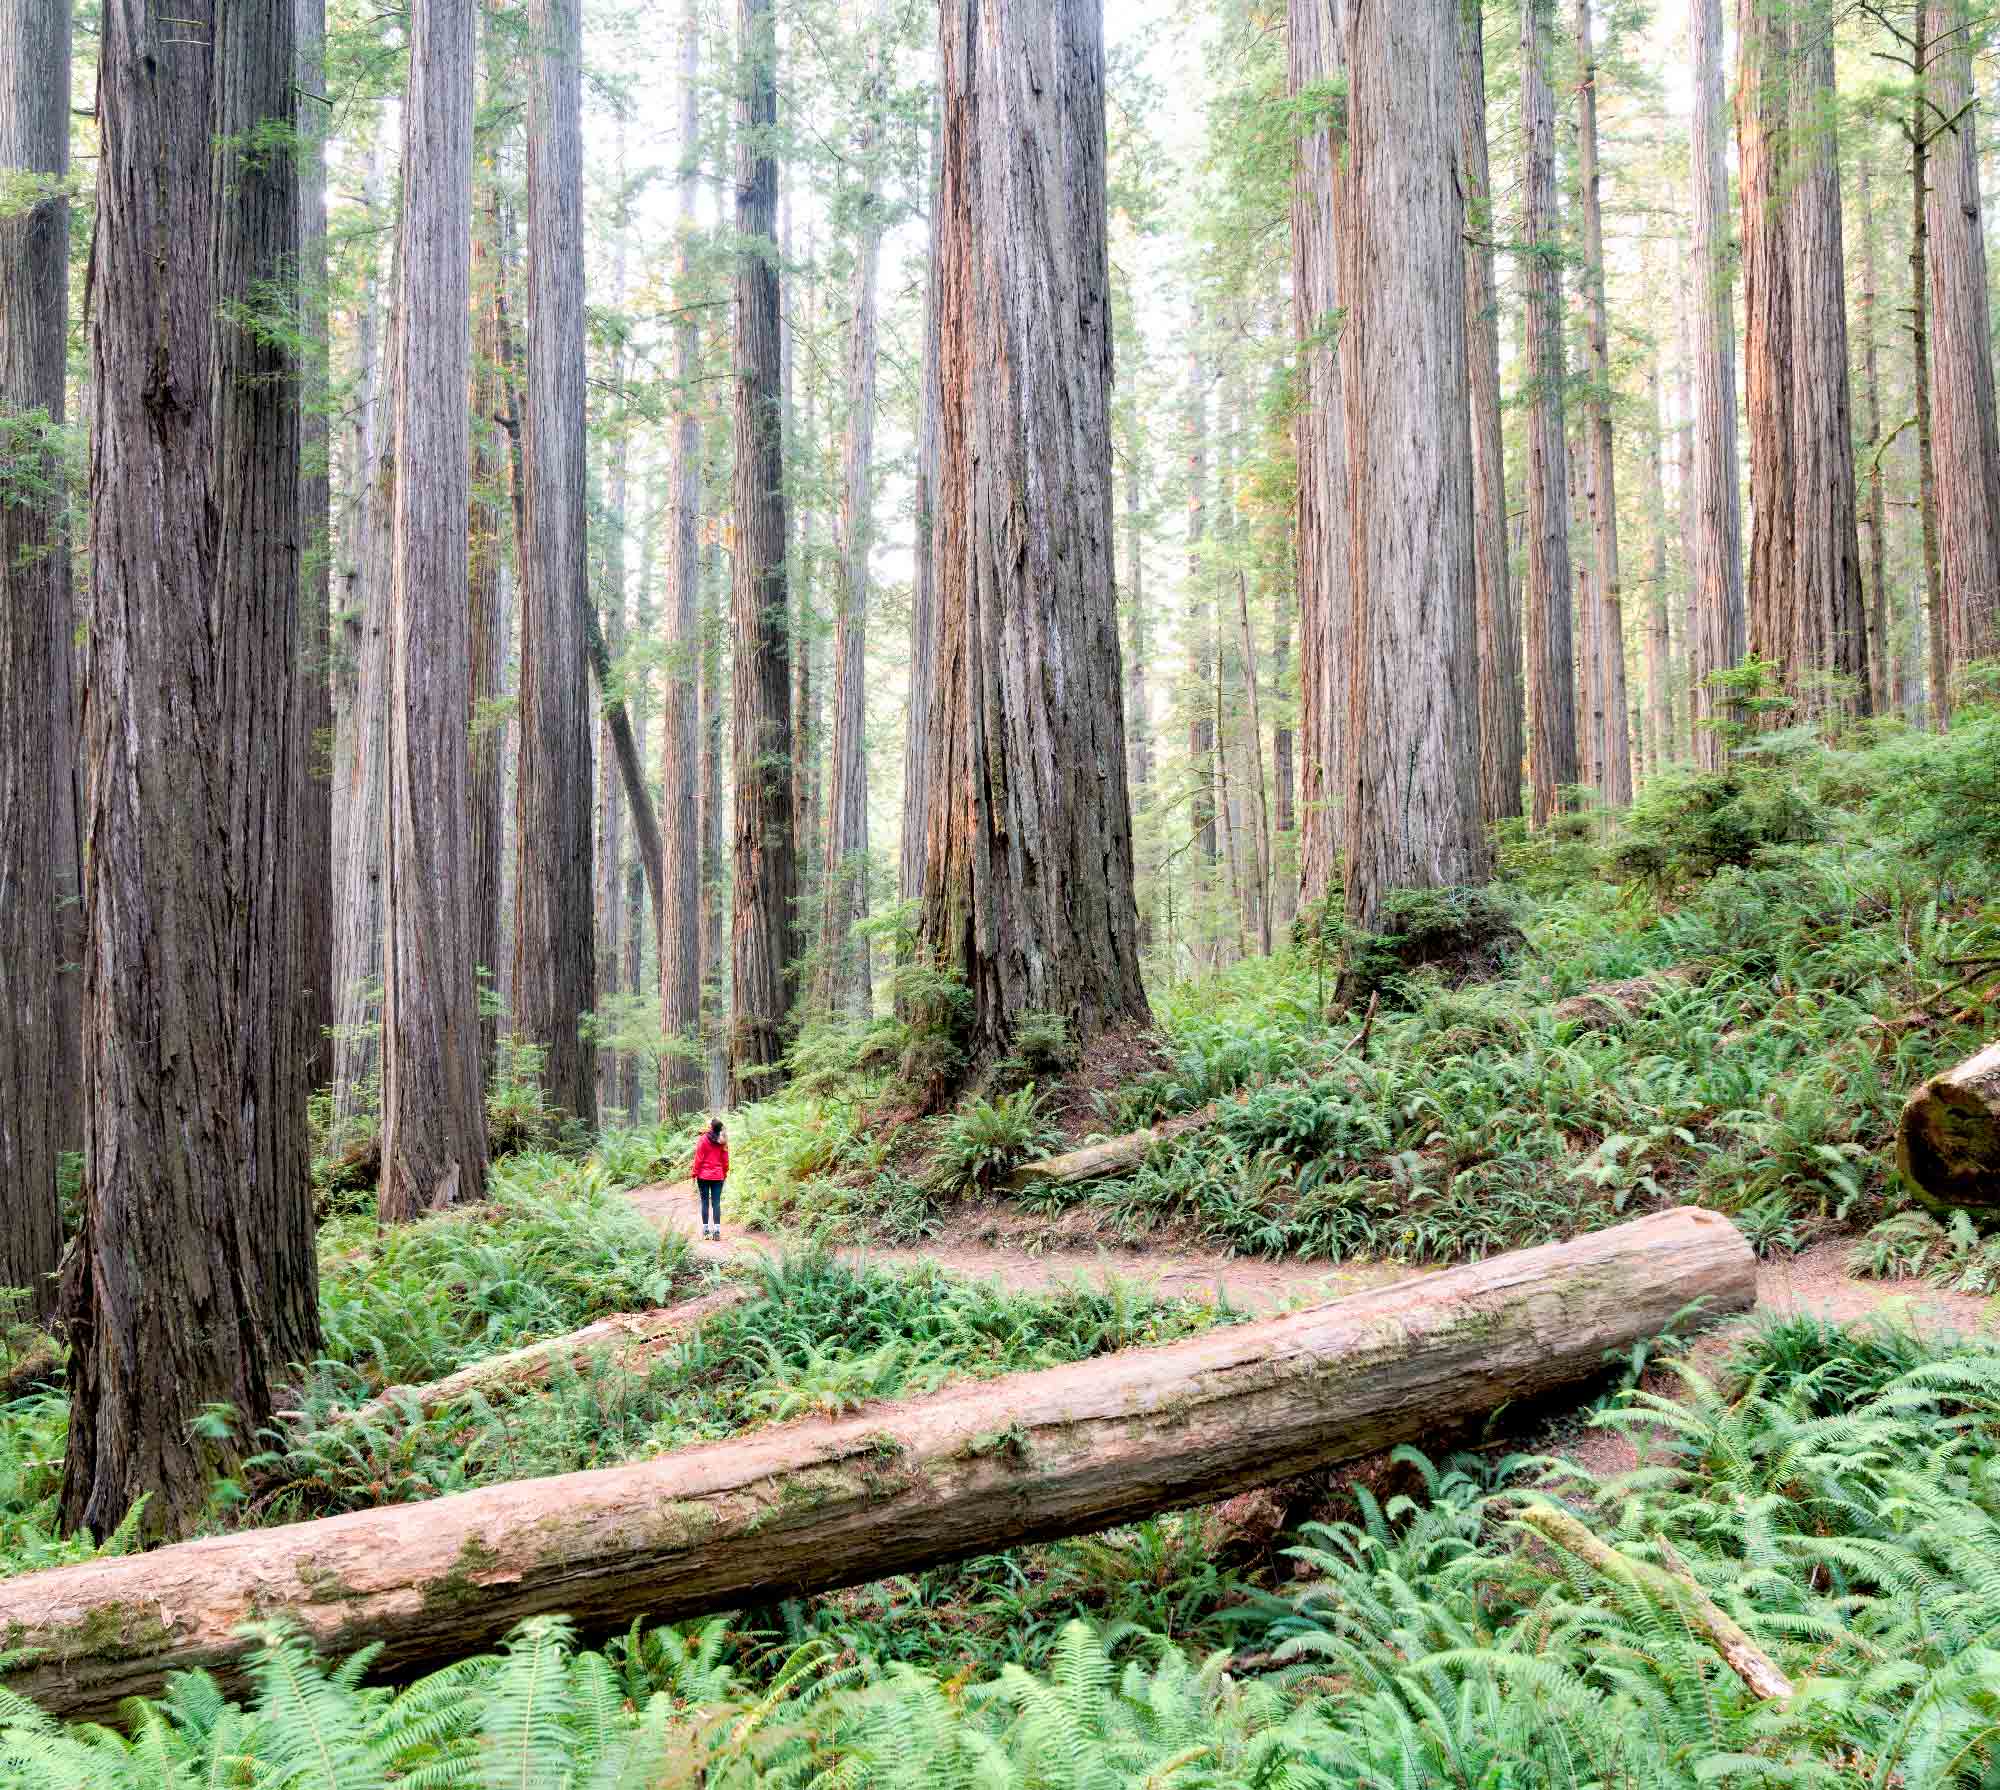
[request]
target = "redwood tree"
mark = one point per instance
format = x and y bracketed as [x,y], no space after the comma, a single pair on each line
[555,974]
[37,746]
[1028,888]
[1552,751]
[764,945]
[1410,805]
[194,1282]
[433,1114]
[1965,437]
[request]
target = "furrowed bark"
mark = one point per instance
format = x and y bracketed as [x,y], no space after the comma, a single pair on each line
[892,1489]
[765,840]
[555,977]
[679,896]
[1552,752]
[37,729]
[433,1108]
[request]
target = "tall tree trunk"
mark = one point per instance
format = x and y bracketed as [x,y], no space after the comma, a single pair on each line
[682,1087]
[1284,770]
[1659,646]
[1589,661]
[315,545]
[1228,799]
[1552,753]
[1763,128]
[923,586]
[1880,654]
[1919,133]
[1132,595]
[491,612]
[361,718]
[1615,758]
[555,974]
[1410,798]
[1715,533]
[433,1116]
[1260,909]
[608,900]
[1200,623]
[1499,646]
[37,729]
[1829,620]
[1028,892]
[766,847]
[714,903]
[1965,435]
[847,985]
[1690,425]
[1313,63]
[194,1281]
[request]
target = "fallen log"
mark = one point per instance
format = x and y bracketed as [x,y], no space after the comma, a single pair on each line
[1113,1156]
[1948,1141]
[891,1489]
[1607,1004]
[632,1339]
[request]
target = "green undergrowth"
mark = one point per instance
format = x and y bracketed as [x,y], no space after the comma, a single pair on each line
[1833,1492]
[1808,894]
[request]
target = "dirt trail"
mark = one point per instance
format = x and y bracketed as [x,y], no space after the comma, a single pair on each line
[1815,1282]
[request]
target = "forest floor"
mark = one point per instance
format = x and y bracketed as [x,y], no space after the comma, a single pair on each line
[1813,1283]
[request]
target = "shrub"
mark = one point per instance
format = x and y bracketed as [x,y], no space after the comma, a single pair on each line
[980,1143]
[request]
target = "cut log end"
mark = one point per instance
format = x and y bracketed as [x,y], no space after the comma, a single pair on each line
[1948,1142]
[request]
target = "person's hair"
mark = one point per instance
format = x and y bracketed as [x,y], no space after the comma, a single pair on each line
[715,1128]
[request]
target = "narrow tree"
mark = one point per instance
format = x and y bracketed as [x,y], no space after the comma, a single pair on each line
[1499,649]
[846,984]
[1965,434]
[765,846]
[1200,625]
[1881,659]
[1615,760]
[433,1116]
[555,975]
[194,1282]
[1919,132]
[1713,498]
[1028,887]
[1552,753]
[1659,731]
[37,746]
[1313,68]
[923,584]
[681,1079]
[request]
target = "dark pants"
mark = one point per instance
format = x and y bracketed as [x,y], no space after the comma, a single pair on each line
[711,1201]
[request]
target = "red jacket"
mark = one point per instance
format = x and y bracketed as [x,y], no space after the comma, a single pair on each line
[711,1160]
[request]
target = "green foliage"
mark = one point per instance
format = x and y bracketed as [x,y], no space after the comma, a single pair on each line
[977,1146]
[1687,825]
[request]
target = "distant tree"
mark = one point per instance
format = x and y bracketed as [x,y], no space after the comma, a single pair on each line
[193,1285]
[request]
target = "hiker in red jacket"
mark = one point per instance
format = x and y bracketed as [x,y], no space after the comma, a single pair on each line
[711,1169]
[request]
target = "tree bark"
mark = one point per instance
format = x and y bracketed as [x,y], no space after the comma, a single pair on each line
[433,1111]
[1607,591]
[681,897]
[1829,622]
[315,550]
[1715,534]
[1313,68]
[714,892]
[1411,815]
[1880,655]
[1919,134]
[1552,753]
[1200,623]
[891,1489]
[555,973]
[38,1075]
[1659,641]
[608,899]
[847,985]
[765,844]
[1499,643]
[1948,1142]
[1261,894]
[194,1281]
[1965,434]
[361,750]
[1029,884]
[491,612]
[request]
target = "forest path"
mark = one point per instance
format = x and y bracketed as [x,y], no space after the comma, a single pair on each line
[1814,1282]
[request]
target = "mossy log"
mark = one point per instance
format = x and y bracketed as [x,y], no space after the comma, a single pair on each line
[1112,1156]
[891,1489]
[631,1339]
[1948,1144]
[1605,1005]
